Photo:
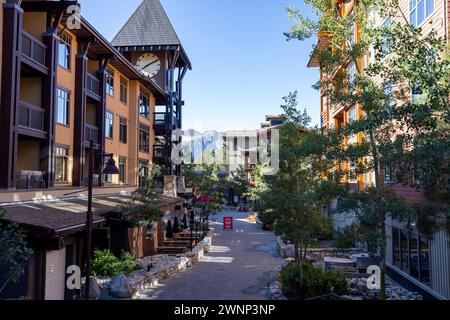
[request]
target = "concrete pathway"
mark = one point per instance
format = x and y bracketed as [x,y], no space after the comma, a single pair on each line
[238,267]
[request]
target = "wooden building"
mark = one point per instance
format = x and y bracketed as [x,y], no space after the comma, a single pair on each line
[62,86]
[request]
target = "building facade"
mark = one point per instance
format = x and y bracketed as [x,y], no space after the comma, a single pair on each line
[66,92]
[415,260]
[64,87]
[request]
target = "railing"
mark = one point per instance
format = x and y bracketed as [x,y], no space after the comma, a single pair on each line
[91,133]
[92,84]
[33,48]
[160,118]
[31,116]
[30,180]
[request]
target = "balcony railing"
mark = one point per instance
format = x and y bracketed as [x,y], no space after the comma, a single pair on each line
[92,84]
[91,133]
[160,118]
[31,116]
[33,49]
[30,180]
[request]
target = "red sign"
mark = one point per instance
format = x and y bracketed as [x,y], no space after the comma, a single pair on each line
[228,223]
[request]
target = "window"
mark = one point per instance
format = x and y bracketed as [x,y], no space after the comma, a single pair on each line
[123,130]
[144,106]
[123,90]
[351,70]
[61,164]
[65,42]
[143,173]
[386,48]
[110,82]
[352,114]
[352,36]
[122,169]
[418,96]
[109,125]
[144,138]
[389,94]
[424,260]
[414,255]
[404,250]
[389,174]
[419,10]
[411,254]
[396,246]
[63,107]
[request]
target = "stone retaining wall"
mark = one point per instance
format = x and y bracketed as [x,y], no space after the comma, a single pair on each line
[153,270]
[315,254]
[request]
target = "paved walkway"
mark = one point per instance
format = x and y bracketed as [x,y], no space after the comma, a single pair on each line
[237,268]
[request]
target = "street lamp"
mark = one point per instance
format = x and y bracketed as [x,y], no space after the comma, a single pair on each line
[110,168]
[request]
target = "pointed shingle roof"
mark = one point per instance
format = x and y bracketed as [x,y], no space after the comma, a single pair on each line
[148,26]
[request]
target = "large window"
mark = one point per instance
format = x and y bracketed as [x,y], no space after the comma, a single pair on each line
[65,43]
[110,82]
[123,90]
[411,254]
[123,130]
[63,107]
[61,164]
[109,125]
[122,169]
[419,10]
[144,106]
[144,138]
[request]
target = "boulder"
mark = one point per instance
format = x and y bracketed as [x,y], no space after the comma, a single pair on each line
[120,288]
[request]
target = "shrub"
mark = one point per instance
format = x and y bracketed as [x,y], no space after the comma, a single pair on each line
[316,281]
[106,264]
[345,237]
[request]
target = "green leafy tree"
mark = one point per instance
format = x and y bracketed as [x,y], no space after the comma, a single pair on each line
[408,134]
[294,195]
[14,253]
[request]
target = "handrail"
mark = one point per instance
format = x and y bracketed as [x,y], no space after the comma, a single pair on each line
[92,84]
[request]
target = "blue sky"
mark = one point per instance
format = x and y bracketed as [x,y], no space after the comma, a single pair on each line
[242,64]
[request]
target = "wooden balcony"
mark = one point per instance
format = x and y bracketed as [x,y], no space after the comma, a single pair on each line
[92,86]
[31,120]
[33,52]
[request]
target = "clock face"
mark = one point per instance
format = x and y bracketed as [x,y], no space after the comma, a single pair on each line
[149,64]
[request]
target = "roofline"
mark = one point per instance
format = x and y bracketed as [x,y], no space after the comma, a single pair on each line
[104,42]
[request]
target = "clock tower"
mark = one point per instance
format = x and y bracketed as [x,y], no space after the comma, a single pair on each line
[151,44]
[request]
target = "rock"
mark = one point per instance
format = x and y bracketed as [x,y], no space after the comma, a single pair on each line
[94,289]
[120,288]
